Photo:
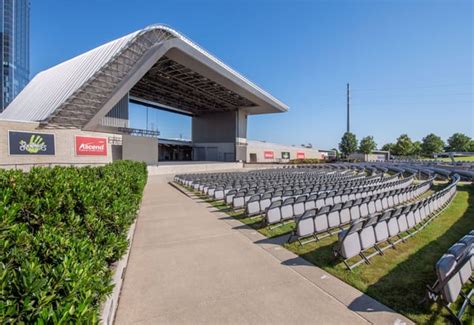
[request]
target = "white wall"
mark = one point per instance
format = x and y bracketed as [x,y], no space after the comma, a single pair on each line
[64,141]
[259,149]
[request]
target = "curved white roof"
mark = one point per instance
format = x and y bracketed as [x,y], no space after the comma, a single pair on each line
[73,92]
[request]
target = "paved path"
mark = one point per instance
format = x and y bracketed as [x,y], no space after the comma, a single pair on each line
[192,264]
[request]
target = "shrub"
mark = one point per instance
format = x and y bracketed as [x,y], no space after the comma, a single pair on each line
[61,229]
[306,161]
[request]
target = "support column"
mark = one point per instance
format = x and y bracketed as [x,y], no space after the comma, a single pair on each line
[241,135]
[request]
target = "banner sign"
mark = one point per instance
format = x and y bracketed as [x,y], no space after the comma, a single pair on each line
[300,155]
[285,155]
[268,154]
[30,143]
[91,146]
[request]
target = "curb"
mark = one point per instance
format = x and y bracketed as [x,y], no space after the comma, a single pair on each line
[109,308]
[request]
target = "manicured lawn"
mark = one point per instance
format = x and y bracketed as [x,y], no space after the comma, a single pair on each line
[399,278]
[447,159]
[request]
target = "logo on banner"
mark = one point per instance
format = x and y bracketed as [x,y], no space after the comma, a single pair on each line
[28,143]
[268,154]
[300,155]
[285,155]
[91,146]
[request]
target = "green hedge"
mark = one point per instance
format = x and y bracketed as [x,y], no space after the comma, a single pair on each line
[61,229]
[306,161]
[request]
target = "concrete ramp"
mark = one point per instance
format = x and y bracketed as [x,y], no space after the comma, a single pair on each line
[190,264]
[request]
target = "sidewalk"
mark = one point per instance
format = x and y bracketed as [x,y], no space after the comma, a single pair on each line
[192,264]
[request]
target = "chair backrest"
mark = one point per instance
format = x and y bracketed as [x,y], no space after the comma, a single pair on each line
[336,207]
[370,221]
[386,215]
[275,204]
[301,199]
[356,226]
[322,210]
[309,214]
[289,200]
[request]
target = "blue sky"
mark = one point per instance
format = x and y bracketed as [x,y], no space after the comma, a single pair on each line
[409,63]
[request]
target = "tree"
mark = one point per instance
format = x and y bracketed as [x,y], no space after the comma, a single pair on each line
[432,144]
[388,147]
[367,145]
[348,144]
[404,146]
[459,142]
[417,148]
[471,146]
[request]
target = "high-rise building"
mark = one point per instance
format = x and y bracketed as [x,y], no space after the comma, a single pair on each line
[15,48]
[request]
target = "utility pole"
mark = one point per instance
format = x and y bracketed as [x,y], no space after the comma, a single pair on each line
[348,108]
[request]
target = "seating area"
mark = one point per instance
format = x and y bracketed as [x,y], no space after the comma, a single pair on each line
[453,271]
[350,213]
[370,210]
[296,205]
[384,230]
[324,219]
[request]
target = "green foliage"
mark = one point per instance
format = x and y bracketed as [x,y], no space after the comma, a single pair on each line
[306,161]
[403,146]
[367,145]
[432,144]
[388,147]
[459,142]
[417,148]
[60,230]
[348,144]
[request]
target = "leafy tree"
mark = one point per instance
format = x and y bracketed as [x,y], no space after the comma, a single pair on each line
[471,146]
[367,145]
[459,142]
[417,148]
[348,144]
[404,146]
[388,147]
[432,144]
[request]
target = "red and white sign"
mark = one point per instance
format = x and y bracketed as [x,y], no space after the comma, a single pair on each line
[300,155]
[268,154]
[91,146]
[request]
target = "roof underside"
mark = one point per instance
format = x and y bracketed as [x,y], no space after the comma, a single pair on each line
[171,83]
[79,92]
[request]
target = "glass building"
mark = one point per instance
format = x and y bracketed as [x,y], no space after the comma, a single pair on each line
[14,47]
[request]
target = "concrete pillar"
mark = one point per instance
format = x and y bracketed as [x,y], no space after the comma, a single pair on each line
[241,135]
[213,136]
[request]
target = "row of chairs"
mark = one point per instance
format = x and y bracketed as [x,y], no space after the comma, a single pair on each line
[256,202]
[453,271]
[278,175]
[210,188]
[289,208]
[315,222]
[370,233]
[219,192]
[270,175]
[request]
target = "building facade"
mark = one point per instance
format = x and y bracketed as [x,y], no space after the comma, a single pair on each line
[62,107]
[266,152]
[15,48]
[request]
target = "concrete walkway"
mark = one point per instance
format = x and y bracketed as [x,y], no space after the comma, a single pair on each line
[192,264]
